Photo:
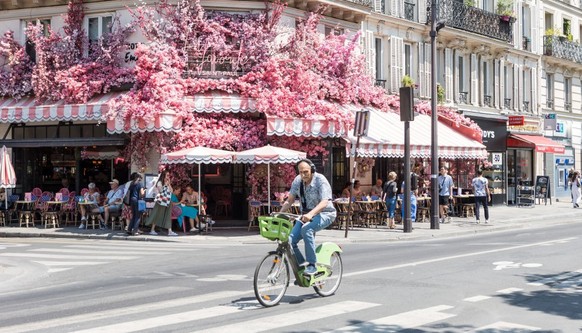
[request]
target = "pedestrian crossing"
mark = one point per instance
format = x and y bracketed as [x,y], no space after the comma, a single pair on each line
[70,256]
[174,308]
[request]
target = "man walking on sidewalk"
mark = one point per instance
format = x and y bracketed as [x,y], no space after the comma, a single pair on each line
[445,183]
[482,195]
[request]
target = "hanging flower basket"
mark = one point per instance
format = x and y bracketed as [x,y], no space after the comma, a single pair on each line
[463,129]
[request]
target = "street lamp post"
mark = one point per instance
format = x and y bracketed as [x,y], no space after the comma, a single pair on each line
[434,27]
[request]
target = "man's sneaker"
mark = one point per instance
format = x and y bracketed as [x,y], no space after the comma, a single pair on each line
[477,221]
[486,221]
[83,218]
[193,230]
[153,233]
[310,270]
[82,226]
[449,219]
[171,233]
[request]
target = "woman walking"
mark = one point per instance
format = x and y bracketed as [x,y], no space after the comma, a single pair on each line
[390,190]
[136,191]
[576,189]
[161,215]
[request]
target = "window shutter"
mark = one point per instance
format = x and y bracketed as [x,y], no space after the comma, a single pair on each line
[378,6]
[502,82]
[448,75]
[516,85]
[394,10]
[421,71]
[456,77]
[474,79]
[370,47]
[533,103]
[428,69]
[496,93]
[396,59]
[422,11]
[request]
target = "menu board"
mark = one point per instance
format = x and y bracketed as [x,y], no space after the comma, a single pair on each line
[543,187]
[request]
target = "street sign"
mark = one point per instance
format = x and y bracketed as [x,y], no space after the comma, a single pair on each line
[362,123]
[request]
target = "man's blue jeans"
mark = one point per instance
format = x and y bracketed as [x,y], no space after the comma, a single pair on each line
[307,233]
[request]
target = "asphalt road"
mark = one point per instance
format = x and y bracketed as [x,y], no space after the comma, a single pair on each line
[513,281]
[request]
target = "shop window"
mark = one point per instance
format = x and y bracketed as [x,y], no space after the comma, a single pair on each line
[30,48]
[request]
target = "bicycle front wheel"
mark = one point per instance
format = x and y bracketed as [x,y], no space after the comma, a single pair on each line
[271,279]
[329,286]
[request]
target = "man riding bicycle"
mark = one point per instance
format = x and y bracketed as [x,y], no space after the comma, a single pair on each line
[317,211]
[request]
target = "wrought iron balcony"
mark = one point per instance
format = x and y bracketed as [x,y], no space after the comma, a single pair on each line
[561,47]
[456,14]
[409,11]
[550,103]
[507,103]
[487,100]
[525,106]
[526,41]
[380,83]
[568,106]
[463,97]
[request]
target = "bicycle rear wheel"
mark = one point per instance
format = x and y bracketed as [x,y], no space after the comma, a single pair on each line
[329,286]
[271,279]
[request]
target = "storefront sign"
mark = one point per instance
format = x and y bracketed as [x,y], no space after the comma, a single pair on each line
[494,133]
[550,121]
[516,120]
[497,158]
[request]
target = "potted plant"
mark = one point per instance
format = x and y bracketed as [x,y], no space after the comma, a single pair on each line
[407,81]
[505,10]
[550,35]
[440,94]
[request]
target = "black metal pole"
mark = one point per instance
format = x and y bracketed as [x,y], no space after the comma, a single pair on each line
[434,221]
[353,180]
[407,221]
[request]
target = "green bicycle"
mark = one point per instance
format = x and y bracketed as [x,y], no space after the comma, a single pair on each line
[272,273]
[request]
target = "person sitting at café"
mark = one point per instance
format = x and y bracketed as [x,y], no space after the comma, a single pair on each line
[190,208]
[91,199]
[377,189]
[346,190]
[358,193]
[112,204]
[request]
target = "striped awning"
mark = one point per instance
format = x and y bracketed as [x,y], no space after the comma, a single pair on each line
[304,127]
[221,102]
[167,121]
[386,138]
[28,109]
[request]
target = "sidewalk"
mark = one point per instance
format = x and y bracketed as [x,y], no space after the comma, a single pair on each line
[501,218]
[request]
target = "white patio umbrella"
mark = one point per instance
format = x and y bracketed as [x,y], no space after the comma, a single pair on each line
[266,155]
[197,155]
[7,174]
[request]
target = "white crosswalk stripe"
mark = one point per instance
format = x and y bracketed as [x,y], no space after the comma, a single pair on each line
[67,257]
[293,317]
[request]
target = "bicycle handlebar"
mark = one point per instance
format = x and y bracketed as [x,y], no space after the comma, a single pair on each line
[289,216]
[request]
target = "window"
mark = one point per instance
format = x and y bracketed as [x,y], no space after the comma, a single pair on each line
[379,71]
[98,26]
[408,60]
[335,31]
[568,94]
[488,6]
[461,62]
[29,45]
[550,91]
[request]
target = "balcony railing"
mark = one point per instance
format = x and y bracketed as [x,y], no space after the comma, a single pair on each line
[463,97]
[550,103]
[568,106]
[457,15]
[409,11]
[367,3]
[561,47]
[380,83]
[507,103]
[487,100]
[525,106]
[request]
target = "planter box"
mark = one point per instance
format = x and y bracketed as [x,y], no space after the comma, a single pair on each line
[463,129]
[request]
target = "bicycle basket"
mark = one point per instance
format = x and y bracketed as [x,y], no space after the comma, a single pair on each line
[273,228]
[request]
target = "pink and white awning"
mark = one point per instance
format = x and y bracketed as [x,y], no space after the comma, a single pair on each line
[386,139]
[27,109]
[197,155]
[269,154]
[304,127]
[167,121]
[7,174]
[221,102]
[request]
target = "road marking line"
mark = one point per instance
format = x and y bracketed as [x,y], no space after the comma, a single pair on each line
[63,256]
[502,326]
[430,261]
[126,311]
[69,263]
[509,290]
[102,251]
[293,317]
[476,299]
[56,270]
[404,320]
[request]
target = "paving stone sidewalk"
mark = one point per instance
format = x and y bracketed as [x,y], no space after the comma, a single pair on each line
[502,218]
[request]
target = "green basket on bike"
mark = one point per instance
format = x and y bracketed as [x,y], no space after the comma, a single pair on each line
[273,228]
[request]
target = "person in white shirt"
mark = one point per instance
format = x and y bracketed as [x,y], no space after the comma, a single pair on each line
[576,189]
[482,195]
